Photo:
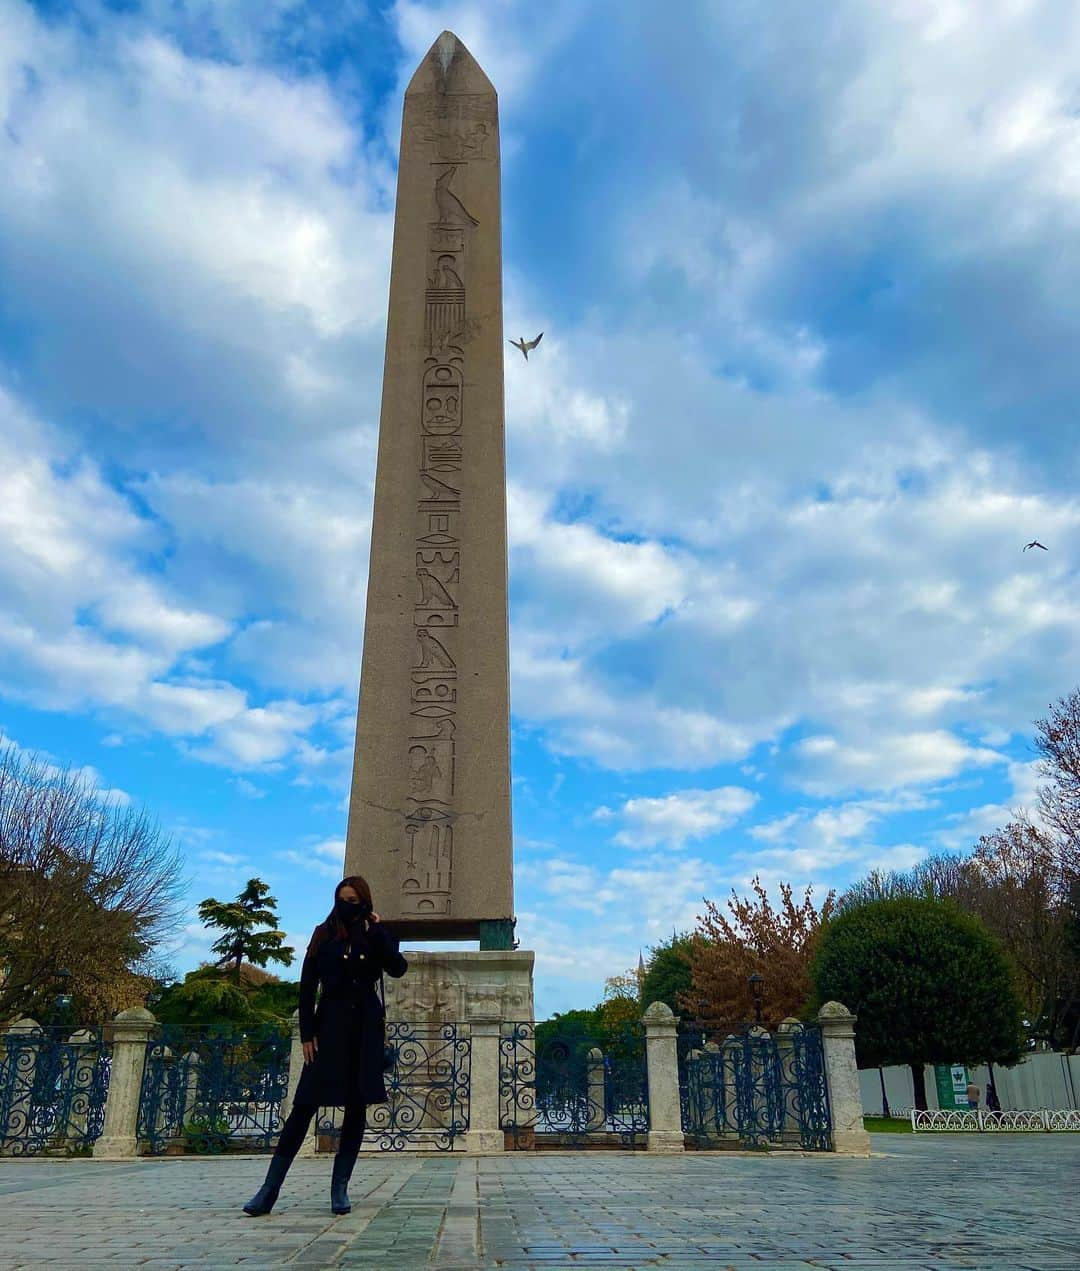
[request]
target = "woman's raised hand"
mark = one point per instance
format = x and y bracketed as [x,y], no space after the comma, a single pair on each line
[310,1049]
[374,917]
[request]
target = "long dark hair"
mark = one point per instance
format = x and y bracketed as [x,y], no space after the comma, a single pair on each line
[332,928]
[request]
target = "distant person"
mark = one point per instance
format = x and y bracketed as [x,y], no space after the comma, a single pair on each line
[973,1093]
[343,1036]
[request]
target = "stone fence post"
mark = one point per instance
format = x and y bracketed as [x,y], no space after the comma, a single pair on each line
[131,1030]
[842,1077]
[296,1067]
[484,1134]
[594,1068]
[662,1058]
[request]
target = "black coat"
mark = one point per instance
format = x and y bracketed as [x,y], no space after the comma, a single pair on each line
[348,1022]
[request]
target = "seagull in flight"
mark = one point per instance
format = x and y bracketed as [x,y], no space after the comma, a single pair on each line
[1035,543]
[525,345]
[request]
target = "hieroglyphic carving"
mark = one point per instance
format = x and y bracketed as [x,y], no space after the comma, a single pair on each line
[453,127]
[430,811]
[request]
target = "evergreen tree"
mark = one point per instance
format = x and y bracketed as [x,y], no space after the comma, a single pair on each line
[668,971]
[239,921]
[928,983]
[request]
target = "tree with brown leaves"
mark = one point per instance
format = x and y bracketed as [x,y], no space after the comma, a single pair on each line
[753,938]
[86,886]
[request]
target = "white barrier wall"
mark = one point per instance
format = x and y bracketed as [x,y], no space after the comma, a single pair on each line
[1044,1080]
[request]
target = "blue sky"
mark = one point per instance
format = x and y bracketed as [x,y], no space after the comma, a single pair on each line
[808,285]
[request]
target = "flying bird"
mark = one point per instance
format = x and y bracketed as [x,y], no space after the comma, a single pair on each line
[1035,543]
[525,345]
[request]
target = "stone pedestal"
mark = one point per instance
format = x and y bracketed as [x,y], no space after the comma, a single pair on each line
[461,985]
[481,992]
[131,1029]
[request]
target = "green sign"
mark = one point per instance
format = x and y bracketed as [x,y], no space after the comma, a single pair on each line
[952,1083]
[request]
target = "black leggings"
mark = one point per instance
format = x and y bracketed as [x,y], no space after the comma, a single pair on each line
[299,1120]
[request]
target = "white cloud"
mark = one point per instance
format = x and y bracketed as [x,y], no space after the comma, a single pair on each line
[826,765]
[639,904]
[135,608]
[258,735]
[675,819]
[248,788]
[325,857]
[631,730]
[109,795]
[591,584]
[222,858]
[813,843]
[962,830]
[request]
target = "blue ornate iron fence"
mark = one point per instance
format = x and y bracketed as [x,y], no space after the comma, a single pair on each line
[752,1088]
[53,1083]
[209,1090]
[427,1091]
[808,1090]
[559,1089]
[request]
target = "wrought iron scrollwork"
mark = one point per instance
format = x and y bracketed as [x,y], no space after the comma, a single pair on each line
[809,1092]
[754,1087]
[562,1089]
[427,1089]
[207,1090]
[53,1084]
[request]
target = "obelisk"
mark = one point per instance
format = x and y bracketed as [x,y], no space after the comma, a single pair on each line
[429,813]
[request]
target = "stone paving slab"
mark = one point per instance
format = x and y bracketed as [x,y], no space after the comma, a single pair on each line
[922,1204]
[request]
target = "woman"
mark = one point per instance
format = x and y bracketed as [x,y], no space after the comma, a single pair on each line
[343,1037]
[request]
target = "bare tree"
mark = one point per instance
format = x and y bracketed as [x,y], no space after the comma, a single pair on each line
[940,877]
[1021,887]
[1018,882]
[1057,739]
[85,886]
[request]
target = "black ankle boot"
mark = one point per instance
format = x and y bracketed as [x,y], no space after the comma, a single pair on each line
[263,1200]
[339,1183]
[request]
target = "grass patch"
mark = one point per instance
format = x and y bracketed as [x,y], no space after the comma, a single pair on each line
[887,1125]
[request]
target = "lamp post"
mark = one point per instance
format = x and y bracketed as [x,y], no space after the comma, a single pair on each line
[756,981]
[62,1000]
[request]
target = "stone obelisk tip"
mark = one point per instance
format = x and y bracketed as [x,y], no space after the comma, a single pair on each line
[449,67]
[444,48]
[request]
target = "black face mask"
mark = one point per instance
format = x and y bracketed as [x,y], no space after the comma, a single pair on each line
[351,911]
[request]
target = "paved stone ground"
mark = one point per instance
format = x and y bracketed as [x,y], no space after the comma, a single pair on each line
[1005,1203]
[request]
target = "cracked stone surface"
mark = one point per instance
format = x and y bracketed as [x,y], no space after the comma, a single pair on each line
[933,1203]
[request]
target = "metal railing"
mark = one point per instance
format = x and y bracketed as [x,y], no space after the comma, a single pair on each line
[427,1091]
[560,1089]
[213,1089]
[976,1121]
[753,1088]
[53,1085]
